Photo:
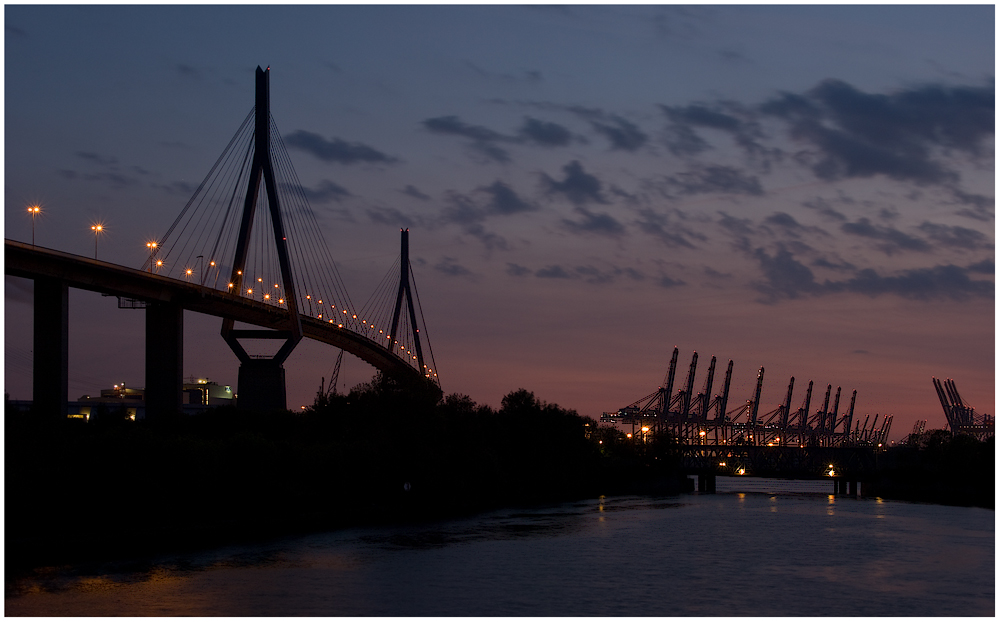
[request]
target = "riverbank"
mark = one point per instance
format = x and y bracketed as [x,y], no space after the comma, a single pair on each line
[112,489]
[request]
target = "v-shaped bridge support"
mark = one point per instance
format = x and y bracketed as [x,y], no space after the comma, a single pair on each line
[262,380]
[404,291]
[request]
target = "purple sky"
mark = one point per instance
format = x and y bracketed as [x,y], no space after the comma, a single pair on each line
[809,189]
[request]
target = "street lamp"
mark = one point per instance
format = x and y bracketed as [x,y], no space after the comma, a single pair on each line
[152,251]
[97,229]
[33,210]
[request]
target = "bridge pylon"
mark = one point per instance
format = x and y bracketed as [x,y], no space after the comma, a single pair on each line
[261,382]
[404,291]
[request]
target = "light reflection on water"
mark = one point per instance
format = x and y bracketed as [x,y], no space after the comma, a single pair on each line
[780,549]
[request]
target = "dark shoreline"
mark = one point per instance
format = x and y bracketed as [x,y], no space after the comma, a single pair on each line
[80,492]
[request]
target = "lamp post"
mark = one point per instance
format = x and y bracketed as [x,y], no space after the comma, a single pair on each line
[152,251]
[97,229]
[33,210]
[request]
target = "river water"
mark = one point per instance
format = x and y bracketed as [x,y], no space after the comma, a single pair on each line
[756,547]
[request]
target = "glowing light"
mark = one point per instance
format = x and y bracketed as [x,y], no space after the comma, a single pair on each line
[267,296]
[230,286]
[250,291]
[281,301]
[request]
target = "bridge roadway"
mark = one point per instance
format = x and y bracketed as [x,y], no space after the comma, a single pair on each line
[843,465]
[32,262]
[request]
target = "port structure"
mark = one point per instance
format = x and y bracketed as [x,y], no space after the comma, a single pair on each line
[962,418]
[703,419]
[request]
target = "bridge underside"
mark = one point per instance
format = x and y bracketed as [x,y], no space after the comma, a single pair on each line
[54,272]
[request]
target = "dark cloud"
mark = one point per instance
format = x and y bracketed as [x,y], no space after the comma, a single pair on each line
[503,200]
[985,266]
[545,133]
[390,216]
[451,267]
[490,240]
[412,191]
[823,207]
[946,282]
[858,134]
[96,158]
[596,223]
[515,270]
[786,223]
[454,126]
[531,77]
[187,71]
[682,139]
[181,188]
[325,192]
[335,149]
[115,180]
[981,207]
[666,282]
[623,134]
[712,179]
[956,237]
[672,233]
[484,140]
[787,278]
[553,272]
[891,240]
[579,187]
[14,30]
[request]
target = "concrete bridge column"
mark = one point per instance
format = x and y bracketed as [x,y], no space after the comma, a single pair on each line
[261,385]
[50,361]
[853,488]
[706,482]
[164,359]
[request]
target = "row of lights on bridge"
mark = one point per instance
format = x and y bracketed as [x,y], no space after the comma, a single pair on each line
[153,246]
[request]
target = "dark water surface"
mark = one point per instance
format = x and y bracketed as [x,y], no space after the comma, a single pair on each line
[783,548]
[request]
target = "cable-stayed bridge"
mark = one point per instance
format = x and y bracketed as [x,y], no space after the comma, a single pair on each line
[246,248]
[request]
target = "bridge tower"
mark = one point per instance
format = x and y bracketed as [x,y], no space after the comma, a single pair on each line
[404,291]
[261,381]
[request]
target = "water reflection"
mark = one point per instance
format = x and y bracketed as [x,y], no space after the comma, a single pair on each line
[595,557]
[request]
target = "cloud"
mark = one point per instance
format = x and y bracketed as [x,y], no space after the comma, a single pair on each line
[450,267]
[682,139]
[389,216]
[858,134]
[514,269]
[787,278]
[937,283]
[325,192]
[187,71]
[96,158]
[545,133]
[715,179]
[986,266]
[335,149]
[891,240]
[484,140]
[956,237]
[412,191]
[623,134]
[597,223]
[470,211]
[579,187]
[553,272]
[670,232]
[503,200]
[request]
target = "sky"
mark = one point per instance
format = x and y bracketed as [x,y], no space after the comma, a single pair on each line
[808,189]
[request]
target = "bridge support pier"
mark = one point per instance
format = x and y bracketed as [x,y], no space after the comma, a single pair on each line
[164,359]
[853,488]
[261,385]
[706,482]
[50,362]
